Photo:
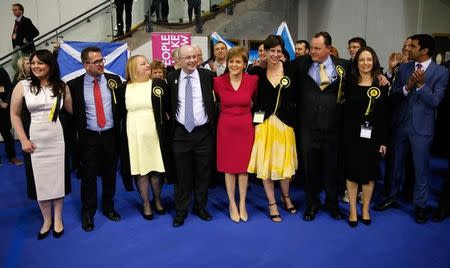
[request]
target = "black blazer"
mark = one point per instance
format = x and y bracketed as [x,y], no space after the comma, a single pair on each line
[5,81]
[25,33]
[78,104]
[209,99]
[160,105]
[318,109]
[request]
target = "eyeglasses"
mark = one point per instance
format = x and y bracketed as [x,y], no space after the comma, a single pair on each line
[189,58]
[97,62]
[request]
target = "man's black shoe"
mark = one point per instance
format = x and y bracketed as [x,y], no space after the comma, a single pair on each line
[421,215]
[87,223]
[389,203]
[202,214]
[112,215]
[439,214]
[310,214]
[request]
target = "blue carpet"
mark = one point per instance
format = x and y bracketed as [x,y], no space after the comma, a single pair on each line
[393,239]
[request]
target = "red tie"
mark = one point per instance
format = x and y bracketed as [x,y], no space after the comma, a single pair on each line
[101,120]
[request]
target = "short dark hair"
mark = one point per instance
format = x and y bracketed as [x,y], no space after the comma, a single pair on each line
[358,40]
[326,36]
[85,53]
[307,45]
[273,41]
[219,42]
[19,6]
[425,41]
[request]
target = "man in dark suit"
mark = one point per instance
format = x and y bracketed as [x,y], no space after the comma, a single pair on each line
[97,127]
[443,210]
[120,4]
[23,32]
[192,127]
[321,81]
[417,91]
[5,120]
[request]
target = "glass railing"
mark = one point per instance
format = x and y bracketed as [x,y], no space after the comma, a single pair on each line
[94,21]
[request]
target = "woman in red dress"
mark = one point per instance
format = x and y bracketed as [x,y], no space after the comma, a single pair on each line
[235,132]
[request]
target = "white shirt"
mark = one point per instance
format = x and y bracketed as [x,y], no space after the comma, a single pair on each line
[220,68]
[200,117]
[329,68]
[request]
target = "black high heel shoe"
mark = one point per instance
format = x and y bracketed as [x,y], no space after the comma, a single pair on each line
[276,216]
[160,212]
[41,236]
[58,234]
[292,209]
[352,224]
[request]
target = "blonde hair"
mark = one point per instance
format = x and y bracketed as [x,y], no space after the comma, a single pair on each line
[131,69]
[21,74]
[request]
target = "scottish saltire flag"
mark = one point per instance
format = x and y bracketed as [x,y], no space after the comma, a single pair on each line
[283,31]
[69,58]
[216,37]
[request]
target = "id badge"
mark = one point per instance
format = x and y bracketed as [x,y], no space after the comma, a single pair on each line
[366,132]
[258,117]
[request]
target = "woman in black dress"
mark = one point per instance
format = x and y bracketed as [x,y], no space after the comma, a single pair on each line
[365,125]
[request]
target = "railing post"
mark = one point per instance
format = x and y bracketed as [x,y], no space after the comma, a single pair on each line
[111,4]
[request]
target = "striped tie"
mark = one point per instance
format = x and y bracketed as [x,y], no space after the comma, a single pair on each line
[188,106]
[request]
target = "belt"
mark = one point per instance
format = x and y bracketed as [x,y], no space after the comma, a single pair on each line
[100,132]
[205,125]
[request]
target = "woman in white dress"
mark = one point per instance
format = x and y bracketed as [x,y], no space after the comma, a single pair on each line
[37,117]
[143,107]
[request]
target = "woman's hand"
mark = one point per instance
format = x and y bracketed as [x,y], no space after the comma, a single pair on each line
[382,150]
[28,146]
[383,81]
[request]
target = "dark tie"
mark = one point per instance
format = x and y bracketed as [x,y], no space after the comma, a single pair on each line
[188,106]
[101,120]
[419,66]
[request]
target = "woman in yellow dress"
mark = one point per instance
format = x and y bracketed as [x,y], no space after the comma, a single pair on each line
[274,154]
[143,108]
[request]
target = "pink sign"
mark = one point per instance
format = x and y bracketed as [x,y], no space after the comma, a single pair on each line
[164,43]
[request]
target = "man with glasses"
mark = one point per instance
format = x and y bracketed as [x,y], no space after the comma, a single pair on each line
[97,127]
[192,128]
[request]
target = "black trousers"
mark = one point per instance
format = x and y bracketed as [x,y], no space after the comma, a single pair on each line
[194,6]
[5,131]
[120,4]
[98,157]
[193,161]
[320,152]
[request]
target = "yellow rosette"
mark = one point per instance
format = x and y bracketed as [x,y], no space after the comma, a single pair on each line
[112,84]
[340,71]
[373,93]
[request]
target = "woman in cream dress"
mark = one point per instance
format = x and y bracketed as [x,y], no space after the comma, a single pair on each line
[145,121]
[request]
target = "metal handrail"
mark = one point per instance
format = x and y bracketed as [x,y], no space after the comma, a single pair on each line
[52,32]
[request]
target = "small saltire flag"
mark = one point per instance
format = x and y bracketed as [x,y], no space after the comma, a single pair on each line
[283,31]
[216,37]
[69,58]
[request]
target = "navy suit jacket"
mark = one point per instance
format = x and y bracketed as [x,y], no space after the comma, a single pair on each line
[421,103]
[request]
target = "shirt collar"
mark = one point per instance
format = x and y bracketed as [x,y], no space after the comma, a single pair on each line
[326,62]
[425,64]
[194,74]
[90,78]
[19,18]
